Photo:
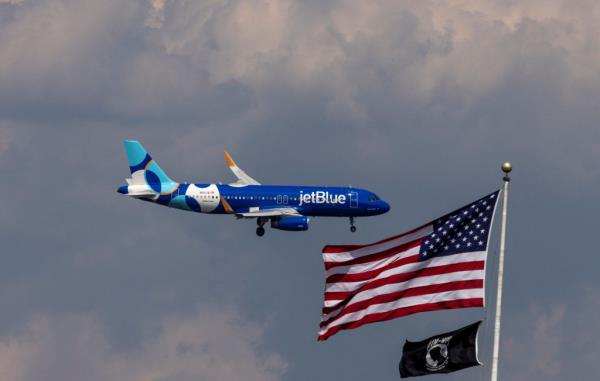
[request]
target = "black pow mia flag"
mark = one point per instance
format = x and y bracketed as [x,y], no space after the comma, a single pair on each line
[444,353]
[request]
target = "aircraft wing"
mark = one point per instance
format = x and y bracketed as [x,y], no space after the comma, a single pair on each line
[273,212]
[243,178]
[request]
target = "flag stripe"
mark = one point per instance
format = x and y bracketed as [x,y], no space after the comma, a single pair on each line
[407,302]
[389,288]
[410,264]
[381,301]
[347,253]
[336,267]
[407,256]
[402,277]
[403,311]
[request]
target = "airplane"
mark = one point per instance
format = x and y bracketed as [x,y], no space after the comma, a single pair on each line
[286,207]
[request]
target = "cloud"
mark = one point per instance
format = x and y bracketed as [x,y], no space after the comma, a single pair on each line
[557,340]
[111,59]
[156,15]
[365,74]
[212,345]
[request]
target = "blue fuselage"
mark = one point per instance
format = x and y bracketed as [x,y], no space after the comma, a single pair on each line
[307,200]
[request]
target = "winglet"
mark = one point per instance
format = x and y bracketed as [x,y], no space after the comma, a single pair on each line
[243,178]
[229,160]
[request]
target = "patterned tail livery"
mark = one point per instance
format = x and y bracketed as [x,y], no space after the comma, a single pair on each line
[147,177]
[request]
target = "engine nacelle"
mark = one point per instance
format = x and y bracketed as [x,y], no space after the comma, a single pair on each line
[290,223]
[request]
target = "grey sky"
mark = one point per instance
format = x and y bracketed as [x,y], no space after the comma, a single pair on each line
[419,102]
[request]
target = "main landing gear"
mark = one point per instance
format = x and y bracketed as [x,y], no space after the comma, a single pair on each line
[260,230]
[352,227]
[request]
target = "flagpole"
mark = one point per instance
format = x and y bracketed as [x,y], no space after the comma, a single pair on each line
[506,168]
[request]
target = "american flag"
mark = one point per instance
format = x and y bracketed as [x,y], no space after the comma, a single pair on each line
[440,265]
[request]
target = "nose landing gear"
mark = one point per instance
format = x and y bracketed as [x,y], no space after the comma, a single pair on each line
[352,227]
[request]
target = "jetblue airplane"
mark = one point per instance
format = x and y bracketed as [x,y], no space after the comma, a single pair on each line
[286,207]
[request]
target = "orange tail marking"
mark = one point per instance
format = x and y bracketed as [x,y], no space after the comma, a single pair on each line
[226,206]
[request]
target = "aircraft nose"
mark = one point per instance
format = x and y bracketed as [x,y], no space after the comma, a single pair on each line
[385,207]
[123,189]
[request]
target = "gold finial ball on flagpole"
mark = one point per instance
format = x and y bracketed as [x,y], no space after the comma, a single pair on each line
[506,167]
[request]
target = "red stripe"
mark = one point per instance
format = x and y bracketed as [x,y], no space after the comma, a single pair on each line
[366,275]
[343,248]
[397,278]
[404,311]
[415,291]
[376,256]
[334,249]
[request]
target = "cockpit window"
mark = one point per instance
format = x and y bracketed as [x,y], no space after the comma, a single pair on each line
[373,198]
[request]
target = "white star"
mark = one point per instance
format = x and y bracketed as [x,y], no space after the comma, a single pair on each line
[468,244]
[457,245]
[470,232]
[452,240]
[451,226]
[480,243]
[488,208]
[476,237]
[437,240]
[482,231]
[444,232]
[459,234]
[440,229]
[485,219]
[492,196]
[465,212]
[433,235]
[464,239]
[446,247]
[431,246]
[426,242]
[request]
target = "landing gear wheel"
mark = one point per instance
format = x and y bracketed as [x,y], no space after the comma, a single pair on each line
[353,229]
[260,231]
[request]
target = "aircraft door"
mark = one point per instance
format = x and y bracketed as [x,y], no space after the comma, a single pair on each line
[354,199]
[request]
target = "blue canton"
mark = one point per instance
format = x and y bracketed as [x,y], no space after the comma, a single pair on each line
[462,231]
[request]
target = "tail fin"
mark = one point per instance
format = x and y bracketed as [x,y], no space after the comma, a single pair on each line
[144,170]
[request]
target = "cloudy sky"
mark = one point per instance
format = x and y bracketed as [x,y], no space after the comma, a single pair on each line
[417,101]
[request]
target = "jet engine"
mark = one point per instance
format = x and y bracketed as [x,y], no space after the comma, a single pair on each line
[290,223]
